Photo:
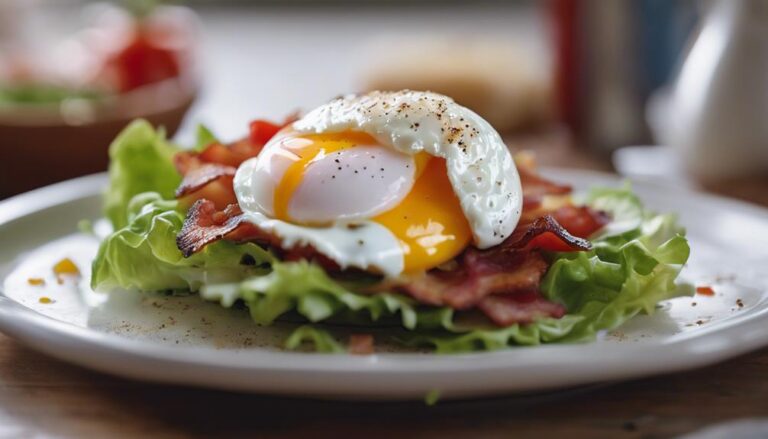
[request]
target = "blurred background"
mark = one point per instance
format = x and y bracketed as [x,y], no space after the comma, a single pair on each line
[582,83]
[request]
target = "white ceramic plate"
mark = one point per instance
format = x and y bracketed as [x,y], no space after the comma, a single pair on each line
[184,340]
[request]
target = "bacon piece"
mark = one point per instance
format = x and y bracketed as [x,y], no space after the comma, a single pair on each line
[361,344]
[510,267]
[479,274]
[221,192]
[521,307]
[544,233]
[502,286]
[530,206]
[229,155]
[205,224]
[196,178]
[232,154]
[581,221]
[208,173]
[535,185]
[211,182]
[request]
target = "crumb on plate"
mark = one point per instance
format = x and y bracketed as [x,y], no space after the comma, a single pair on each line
[361,344]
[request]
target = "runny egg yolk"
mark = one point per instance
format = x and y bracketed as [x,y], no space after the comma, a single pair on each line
[428,222]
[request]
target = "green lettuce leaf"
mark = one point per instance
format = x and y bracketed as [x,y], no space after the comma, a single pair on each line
[204,137]
[321,340]
[632,267]
[143,254]
[141,160]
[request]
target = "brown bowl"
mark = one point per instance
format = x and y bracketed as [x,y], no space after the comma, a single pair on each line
[43,144]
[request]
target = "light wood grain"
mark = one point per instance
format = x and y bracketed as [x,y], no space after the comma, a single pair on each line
[44,396]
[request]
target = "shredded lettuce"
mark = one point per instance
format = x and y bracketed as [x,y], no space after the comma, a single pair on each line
[306,289]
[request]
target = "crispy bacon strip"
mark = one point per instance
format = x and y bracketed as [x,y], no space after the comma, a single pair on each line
[536,186]
[544,233]
[231,155]
[581,221]
[479,275]
[196,178]
[520,307]
[208,173]
[205,224]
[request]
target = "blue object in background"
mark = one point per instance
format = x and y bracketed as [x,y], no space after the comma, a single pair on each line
[663,32]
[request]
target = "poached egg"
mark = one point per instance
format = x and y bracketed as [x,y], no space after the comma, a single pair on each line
[388,182]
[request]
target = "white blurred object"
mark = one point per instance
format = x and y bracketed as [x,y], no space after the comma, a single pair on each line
[656,163]
[9,14]
[716,118]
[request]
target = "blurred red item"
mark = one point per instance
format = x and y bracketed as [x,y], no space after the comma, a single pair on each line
[565,13]
[148,49]
[142,61]
[261,131]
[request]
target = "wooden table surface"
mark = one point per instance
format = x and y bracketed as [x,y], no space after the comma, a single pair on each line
[42,397]
[47,397]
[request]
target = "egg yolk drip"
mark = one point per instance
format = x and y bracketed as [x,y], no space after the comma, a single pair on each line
[428,222]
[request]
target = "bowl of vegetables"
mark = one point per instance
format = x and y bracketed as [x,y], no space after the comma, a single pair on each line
[137,65]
